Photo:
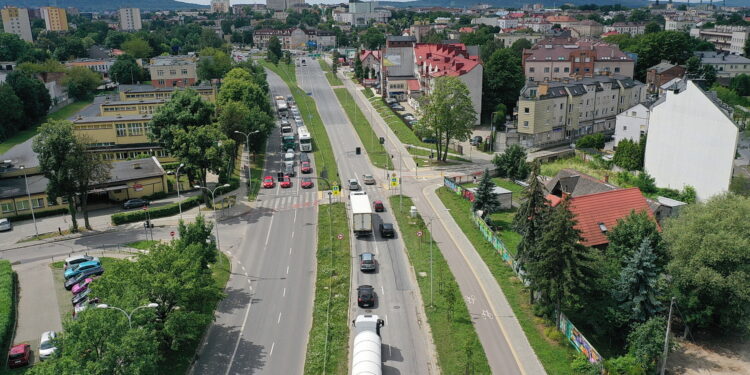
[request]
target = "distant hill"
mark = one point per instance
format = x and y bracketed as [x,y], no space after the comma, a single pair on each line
[104,5]
[547,3]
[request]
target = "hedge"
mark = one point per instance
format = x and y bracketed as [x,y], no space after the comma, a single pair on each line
[163,211]
[7,305]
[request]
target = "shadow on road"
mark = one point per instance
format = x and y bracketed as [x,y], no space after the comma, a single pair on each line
[248,358]
[235,299]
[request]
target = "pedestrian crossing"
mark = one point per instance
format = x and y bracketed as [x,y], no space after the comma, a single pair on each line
[288,201]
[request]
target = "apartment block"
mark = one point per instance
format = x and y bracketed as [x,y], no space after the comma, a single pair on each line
[632,28]
[16,21]
[558,58]
[173,71]
[559,112]
[55,19]
[725,38]
[130,19]
[220,6]
[295,38]
[509,38]
[727,65]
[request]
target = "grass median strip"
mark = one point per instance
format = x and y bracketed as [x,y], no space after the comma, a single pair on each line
[332,78]
[404,134]
[7,305]
[375,151]
[554,356]
[329,335]
[325,162]
[458,348]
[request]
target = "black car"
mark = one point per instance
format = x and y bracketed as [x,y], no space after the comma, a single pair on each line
[304,157]
[367,262]
[476,140]
[96,271]
[366,296]
[80,297]
[289,171]
[135,203]
[386,230]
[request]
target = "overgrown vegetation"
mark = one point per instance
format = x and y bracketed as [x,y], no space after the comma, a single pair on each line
[379,157]
[7,305]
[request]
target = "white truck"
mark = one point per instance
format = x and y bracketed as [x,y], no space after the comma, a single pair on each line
[361,213]
[281,104]
[366,355]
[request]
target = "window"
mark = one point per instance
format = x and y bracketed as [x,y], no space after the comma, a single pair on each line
[546,70]
[22,205]
[578,59]
[7,207]
[184,71]
[121,132]
[588,59]
[37,202]
[624,127]
[557,70]
[566,70]
[525,124]
[121,155]
[172,72]
[588,70]
[161,82]
[135,129]
[525,109]
[159,73]
[531,70]
[617,69]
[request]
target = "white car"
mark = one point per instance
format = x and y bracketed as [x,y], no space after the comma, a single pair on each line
[5,225]
[46,346]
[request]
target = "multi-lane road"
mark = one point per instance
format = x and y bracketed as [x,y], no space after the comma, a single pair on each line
[263,324]
[406,342]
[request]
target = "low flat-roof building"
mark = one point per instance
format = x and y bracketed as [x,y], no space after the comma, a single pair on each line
[726,65]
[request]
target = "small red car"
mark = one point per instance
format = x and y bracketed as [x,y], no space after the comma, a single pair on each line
[305,167]
[19,355]
[307,183]
[268,182]
[286,182]
[378,206]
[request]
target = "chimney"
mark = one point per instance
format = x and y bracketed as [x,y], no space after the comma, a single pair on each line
[542,90]
[606,178]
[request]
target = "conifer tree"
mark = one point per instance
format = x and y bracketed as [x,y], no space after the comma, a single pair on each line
[486,198]
[638,289]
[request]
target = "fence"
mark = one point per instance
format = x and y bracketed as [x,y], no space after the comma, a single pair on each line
[566,326]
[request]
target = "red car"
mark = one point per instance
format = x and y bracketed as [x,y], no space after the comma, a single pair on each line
[307,183]
[19,355]
[268,182]
[286,182]
[305,167]
[378,206]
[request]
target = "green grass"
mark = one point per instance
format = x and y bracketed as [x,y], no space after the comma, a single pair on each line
[397,125]
[451,334]
[142,244]
[554,356]
[325,162]
[331,295]
[25,135]
[256,174]
[375,151]
[368,93]
[7,306]
[333,80]
[426,153]
[504,183]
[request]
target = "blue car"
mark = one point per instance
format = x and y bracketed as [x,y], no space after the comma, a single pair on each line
[74,271]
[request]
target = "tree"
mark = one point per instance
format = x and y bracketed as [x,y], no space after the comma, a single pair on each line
[693,67]
[126,71]
[628,235]
[372,38]
[595,141]
[235,116]
[637,289]
[512,163]
[709,74]
[240,86]
[628,155]
[448,114]
[274,50]
[81,82]
[53,145]
[709,245]
[519,45]
[137,48]
[486,198]
[741,84]
[358,73]
[90,170]
[746,48]
[11,111]
[213,63]
[198,233]
[12,47]
[530,218]
[646,342]
[115,39]
[32,93]
[503,80]
[652,27]
[563,266]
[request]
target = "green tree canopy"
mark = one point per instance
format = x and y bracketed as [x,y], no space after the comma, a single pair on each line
[11,111]
[637,289]
[213,63]
[12,47]
[486,199]
[628,155]
[137,48]
[274,50]
[741,84]
[512,163]
[531,216]
[126,71]
[646,343]
[503,80]
[709,243]
[629,233]
[448,114]
[372,38]
[32,93]
[81,82]
[595,141]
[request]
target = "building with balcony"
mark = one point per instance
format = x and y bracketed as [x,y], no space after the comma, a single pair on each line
[632,28]
[130,19]
[295,38]
[54,18]
[16,21]
[730,39]
[557,58]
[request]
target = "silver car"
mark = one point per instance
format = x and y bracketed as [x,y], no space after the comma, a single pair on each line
[368,179]
[5,225]
[353,184]
[46,345]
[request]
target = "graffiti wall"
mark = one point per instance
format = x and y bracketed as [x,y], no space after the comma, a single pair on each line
[577,339]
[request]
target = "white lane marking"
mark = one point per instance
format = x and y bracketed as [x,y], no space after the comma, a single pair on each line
[278,321]
[287,270]
[386,320]
[272,345]
[229,252]
[243,269]
[283,295]
[239,337]
[268,236]
[249,282]
[295,214]
[290,251]
[382,291]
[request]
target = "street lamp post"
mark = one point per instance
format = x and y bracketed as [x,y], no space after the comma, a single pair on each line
[247,137]
[216,219]
[177,175]
[129,316]
[31,204]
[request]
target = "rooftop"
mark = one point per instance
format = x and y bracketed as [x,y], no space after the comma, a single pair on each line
[575,87]
[444,59]
[713,57]
[662,67]
[16,186]
[575,183]
[149,88]
[92,119]
[560,49]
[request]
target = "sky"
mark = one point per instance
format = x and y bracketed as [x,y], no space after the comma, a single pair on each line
[206,2]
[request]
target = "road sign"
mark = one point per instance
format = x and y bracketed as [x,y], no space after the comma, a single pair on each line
[393,174]
[419,233]
[394,181]
[336,190]
[171,233]
[340,236]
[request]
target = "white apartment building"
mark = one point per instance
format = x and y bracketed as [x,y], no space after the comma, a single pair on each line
[16,21]
[632,123]
[220,6]
[692,140]
[725,38]
[130,19]
[679,24]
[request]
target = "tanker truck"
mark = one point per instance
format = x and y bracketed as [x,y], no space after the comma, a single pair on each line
[366,359]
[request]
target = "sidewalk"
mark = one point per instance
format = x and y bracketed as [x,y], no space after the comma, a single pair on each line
[462,257]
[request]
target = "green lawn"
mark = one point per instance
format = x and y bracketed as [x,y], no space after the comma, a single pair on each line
[256,174]
[554,356]
[426,153]
[397,125]
[325,162]
[379,157]
[451,325]
[504,183]
[333,80]
[23,136]
[331,303]
[142,244]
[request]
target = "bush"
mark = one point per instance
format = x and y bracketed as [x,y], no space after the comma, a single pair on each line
[582,366]
[157,195]
[595,141]
[554,334]
[163,211]
[625,365]
[7,303]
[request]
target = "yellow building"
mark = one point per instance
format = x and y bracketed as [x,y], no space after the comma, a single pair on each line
[148,92]
[55,19]
[14,200]
[120,137]
[130,107]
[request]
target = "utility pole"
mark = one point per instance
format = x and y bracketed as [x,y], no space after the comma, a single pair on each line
[666,339]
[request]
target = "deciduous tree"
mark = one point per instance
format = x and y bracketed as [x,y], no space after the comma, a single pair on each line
[448,114]
[11,111]
[274,50]
[137,48]
[646,343]
[81,82]
[32,93]
[629,233]
[213,63]
[512,163]
[628,155]
[126,71]
[503,79]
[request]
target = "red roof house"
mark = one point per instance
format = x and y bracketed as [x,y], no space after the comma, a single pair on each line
[598,213]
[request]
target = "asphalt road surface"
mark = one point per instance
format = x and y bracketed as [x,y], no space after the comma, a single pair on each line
[405,341]
[263,324]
